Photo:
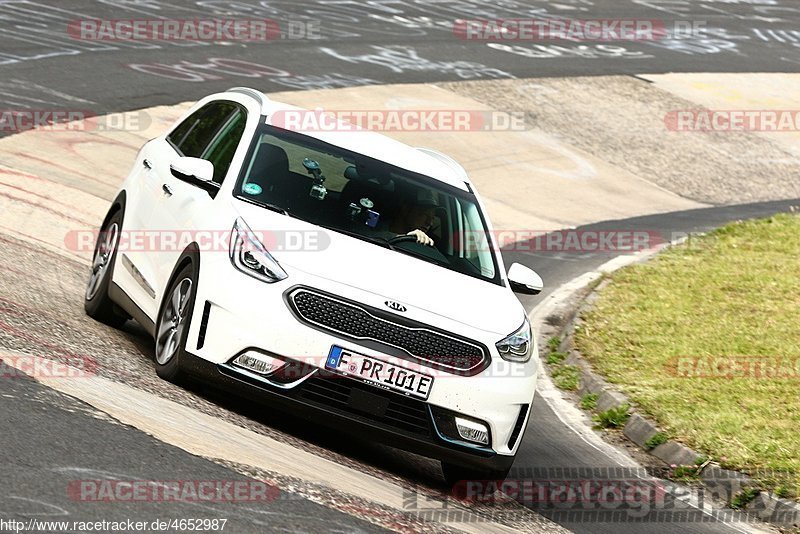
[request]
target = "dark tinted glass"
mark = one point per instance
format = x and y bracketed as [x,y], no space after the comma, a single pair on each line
[194,134]
[221,150]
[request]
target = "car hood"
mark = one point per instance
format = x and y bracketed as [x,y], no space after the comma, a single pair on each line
[415,283]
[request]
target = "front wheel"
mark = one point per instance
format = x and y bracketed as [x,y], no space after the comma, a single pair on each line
[173,324]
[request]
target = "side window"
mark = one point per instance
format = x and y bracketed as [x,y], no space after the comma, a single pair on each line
[223,146]
[193,135]
[177,135]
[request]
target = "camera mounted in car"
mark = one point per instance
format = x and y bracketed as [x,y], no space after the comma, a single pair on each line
[362,213]
[318,190]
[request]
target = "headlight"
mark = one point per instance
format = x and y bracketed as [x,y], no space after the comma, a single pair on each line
[249,255]
[517,346]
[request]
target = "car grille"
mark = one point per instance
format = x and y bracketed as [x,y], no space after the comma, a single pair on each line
[346,395]
[414,339]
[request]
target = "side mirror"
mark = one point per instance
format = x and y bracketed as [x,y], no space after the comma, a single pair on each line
[197,172]
[524,280]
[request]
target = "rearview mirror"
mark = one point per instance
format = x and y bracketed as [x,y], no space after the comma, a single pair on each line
[524,280]
[195,171]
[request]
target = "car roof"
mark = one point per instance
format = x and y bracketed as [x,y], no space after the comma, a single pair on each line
[423,161]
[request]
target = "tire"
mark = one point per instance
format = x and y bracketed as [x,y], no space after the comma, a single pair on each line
[454,475]
[172,326]
[97,303]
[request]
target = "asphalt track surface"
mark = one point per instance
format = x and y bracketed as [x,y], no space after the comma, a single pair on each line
[356,43]
[52,442]
[44,434]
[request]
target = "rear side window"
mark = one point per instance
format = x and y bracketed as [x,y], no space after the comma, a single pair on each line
[179,134]
[193,135]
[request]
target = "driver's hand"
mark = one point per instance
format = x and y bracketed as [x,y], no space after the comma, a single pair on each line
[422,237]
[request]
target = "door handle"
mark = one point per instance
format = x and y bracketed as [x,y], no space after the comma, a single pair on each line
[147,164]
[167,190]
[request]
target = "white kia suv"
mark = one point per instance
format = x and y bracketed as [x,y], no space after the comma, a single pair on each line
[339,274]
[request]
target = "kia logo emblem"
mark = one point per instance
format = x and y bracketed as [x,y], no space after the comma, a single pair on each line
[396,306]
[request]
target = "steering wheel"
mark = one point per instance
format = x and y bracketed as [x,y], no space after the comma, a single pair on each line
[402,239]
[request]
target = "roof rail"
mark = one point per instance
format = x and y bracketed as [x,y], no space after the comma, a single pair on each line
[258,95]
[447,160]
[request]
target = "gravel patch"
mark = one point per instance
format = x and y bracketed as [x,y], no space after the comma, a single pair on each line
[621,119]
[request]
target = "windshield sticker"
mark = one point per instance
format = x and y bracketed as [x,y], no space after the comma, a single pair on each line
[252,189]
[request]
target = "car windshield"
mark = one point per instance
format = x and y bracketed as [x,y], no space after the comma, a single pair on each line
[368,199]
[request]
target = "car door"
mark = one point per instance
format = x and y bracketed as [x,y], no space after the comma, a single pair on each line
[213,133]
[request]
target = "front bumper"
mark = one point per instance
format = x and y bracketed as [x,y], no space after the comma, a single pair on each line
[350,406]
[245,314]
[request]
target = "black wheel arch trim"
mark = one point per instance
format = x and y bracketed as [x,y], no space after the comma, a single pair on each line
[118,204]
[190,255]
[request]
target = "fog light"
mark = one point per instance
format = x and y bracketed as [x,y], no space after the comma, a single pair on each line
[472,431]
[258,363]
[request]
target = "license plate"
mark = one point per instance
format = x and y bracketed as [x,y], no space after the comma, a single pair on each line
[379,373]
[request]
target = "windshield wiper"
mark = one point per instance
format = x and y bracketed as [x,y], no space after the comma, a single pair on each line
[422,256]
[273,207]
[267,205]
[376,240]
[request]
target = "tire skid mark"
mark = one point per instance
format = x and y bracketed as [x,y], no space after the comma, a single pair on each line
[47,246]
[9,269]
[14,331]
[45,208]
[58,353]
[68,170]
[43,197]
[15,308]
[15,172]
[78,261]
[8,170]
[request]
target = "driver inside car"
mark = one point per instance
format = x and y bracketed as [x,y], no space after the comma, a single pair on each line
[415,216]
